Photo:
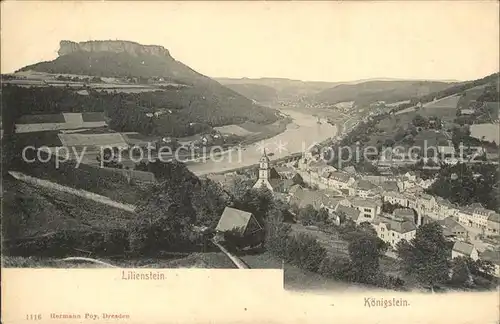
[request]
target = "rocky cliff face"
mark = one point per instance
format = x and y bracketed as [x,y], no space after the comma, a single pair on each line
[135,49]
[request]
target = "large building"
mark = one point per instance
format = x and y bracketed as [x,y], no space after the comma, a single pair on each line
[393,229]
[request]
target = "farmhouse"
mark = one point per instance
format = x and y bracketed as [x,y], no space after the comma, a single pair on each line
[240,223]
[464,249]
[454,228]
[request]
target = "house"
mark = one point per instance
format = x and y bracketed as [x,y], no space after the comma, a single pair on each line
[423,202]
[465,216]
[369,208]
[404,213]
[350,212]
[332,203]
[467,112]
[481,215]
[319,166]
[494,258]
[339,180]
[392,229]
[305,197]
[464,249]
[445,207]
[395,198]
[390,186]
[454,228]
[365,189]
[285,172]
[241,224]
[493,224]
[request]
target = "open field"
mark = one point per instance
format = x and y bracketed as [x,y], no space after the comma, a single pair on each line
[449,102]
[298,279]
[330,241]
[491,132]
[233,129]
[210,260]
[42,211]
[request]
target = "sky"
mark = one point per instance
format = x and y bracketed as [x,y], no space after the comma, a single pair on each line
[321,41]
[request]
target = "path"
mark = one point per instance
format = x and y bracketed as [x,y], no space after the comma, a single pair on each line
[237,261]
[77,192]
[95,261]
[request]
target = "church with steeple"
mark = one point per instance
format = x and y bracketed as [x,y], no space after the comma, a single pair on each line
[268,177]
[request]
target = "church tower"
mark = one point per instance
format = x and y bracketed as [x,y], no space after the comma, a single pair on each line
[264,167]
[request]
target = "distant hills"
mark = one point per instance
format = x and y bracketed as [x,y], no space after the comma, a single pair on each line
[200,100]
[372,91]
[320,92]
[286,89]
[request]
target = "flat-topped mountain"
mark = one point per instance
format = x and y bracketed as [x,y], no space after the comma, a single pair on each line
[118,59]
[132,48]
[194,102]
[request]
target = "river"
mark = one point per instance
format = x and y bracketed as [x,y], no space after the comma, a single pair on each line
[300,134]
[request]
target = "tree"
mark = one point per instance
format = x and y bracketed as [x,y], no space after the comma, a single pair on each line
[257,201]
[322,216]
[426,255]
[461,275]
[276,241]
[419,121]
[240,186]
[304,251]
[307,215]
[365,251]
[339,268]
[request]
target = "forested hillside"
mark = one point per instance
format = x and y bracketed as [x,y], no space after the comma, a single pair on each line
[189,110]
[372,91]
[196,105]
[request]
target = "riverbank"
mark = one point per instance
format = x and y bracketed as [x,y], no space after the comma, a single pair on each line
[300,134]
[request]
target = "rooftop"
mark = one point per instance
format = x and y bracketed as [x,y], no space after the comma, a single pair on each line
[463,247]
[492,256]
[396,224]
[450,223]
[365,185]
[350,212]
[361,202]
[339,176]
[234,219]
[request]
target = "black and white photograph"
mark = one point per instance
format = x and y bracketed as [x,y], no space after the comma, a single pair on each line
[354,145]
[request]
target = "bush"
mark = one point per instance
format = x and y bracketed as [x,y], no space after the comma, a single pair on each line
[277,239]
[387,281]
[305,252]
[336,268]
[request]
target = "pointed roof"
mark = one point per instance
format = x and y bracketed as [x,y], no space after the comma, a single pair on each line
[264,157]
[234,219]
[463,247]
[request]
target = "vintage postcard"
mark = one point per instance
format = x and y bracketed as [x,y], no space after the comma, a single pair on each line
[250,162]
